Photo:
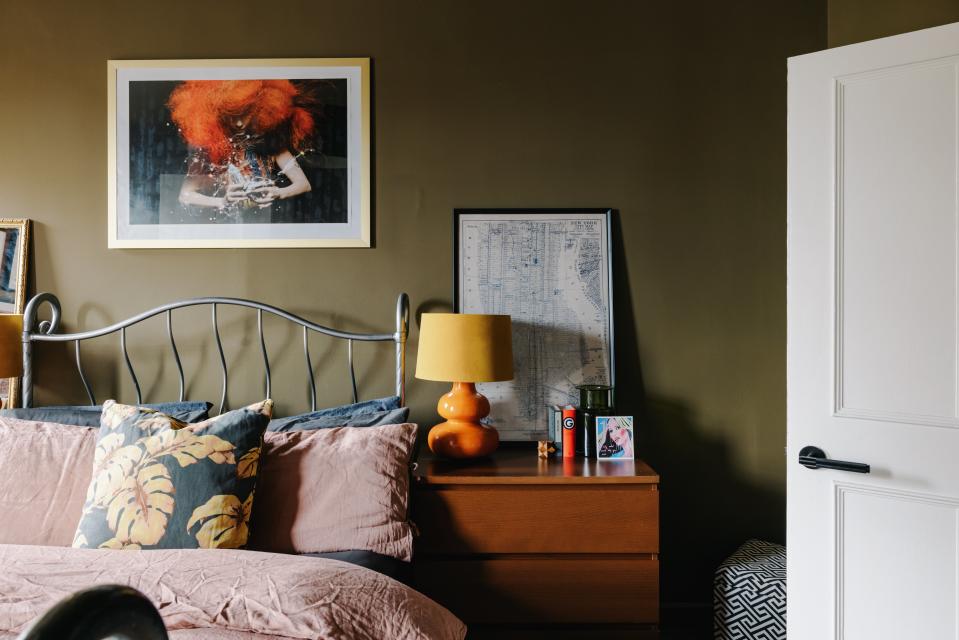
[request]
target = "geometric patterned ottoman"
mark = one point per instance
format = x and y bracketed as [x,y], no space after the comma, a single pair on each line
[749,594]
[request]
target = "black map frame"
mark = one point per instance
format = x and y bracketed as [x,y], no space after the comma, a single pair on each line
[519,214]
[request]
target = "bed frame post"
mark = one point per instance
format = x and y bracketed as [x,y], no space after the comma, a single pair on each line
[402,332]
[30,325]
[26,382]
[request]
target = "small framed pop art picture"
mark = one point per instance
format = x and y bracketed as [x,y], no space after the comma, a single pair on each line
[614,438]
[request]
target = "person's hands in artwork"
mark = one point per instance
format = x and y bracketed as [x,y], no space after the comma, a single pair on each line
[235,193]
[265,195]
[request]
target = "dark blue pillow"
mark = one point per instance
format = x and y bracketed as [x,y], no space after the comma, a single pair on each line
[310,421]
[343,413]
[367,406]
[89,416]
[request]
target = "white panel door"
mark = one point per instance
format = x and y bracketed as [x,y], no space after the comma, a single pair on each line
[872,339]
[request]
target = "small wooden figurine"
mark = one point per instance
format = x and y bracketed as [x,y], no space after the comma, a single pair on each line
[545,449]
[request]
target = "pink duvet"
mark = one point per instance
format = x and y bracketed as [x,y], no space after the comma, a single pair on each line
[227,594]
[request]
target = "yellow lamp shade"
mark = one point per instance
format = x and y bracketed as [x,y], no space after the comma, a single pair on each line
[11,345]
[465,347]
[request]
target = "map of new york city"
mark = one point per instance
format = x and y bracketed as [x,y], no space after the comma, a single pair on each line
[550,274]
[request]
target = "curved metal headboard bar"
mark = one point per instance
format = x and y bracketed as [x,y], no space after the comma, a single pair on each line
[28,319]
[46,331]
[30,313]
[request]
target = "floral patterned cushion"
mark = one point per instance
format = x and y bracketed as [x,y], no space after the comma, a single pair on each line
[159,483]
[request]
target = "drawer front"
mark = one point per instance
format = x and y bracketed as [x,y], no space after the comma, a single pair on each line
[537,519]
[544,590]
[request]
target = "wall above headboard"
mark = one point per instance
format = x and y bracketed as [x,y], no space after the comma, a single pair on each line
[671,112]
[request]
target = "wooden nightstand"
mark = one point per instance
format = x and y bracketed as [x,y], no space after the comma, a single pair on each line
[514,540]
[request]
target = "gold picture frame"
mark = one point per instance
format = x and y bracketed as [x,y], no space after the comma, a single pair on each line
[14,264]
[181,174]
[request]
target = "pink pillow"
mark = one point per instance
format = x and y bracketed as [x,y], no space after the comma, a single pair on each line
[335,490]
[44,472]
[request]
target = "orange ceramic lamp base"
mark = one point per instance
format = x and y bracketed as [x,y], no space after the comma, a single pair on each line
[462,435]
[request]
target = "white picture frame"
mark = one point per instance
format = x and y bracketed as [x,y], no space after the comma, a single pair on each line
[193,168]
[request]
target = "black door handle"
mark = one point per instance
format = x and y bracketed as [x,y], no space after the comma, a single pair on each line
[815,458]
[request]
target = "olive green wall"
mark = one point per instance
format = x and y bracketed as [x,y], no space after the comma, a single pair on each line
[858,20]
[671,112]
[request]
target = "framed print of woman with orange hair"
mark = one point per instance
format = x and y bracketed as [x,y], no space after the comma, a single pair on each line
[239,153]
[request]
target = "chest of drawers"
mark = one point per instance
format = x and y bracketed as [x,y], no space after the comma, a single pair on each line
[514,540]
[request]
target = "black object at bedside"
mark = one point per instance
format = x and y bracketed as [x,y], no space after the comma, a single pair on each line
[106,611]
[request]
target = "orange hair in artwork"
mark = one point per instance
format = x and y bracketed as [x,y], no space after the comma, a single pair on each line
[202,109]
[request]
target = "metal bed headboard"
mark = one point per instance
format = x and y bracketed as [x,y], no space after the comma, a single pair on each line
[35,330]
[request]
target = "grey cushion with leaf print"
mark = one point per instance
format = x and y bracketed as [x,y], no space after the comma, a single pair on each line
[159,483]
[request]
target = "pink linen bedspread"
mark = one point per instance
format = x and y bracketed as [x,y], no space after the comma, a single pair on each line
[227,594]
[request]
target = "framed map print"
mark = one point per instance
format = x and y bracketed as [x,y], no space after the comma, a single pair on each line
[239,153]
[550,269]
